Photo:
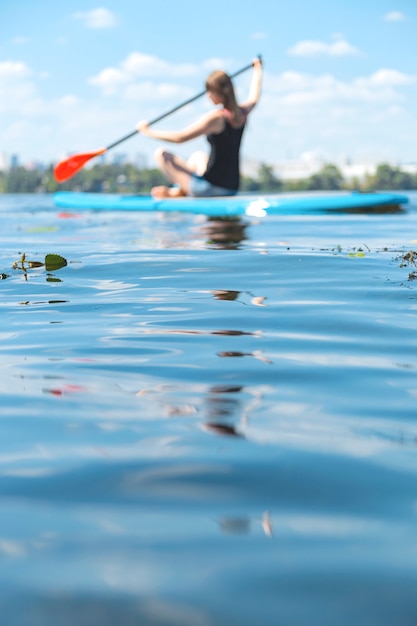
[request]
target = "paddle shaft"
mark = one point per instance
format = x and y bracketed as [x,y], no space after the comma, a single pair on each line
[175,109]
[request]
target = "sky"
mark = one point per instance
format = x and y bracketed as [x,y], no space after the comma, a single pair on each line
[340,79]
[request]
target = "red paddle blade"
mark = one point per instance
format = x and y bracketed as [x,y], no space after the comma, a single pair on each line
[67,168]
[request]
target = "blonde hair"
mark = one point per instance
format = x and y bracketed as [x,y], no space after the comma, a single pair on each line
[221,83]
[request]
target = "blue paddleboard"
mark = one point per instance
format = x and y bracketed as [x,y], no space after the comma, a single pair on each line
[250,205]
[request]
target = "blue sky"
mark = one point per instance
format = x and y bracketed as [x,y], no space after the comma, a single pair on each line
[340,78]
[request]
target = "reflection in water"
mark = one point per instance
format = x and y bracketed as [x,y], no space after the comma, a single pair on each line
[242,525]
[222,429]
[266,524]
[225,389]
[227,332]
[257,354]
[223,404]
[235,525]
[28,302]
[224,233]
[225,294]
[258,300]
[226,412]
[221,409]
[64,390]
[384,209]
[181,410]
[220,404]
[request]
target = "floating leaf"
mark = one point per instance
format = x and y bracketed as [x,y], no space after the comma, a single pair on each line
[54,262]
[42,229]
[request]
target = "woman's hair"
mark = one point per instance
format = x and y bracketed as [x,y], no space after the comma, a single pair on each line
[221,83]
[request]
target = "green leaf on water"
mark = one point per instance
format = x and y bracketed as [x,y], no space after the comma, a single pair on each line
[54,262]
[42,229]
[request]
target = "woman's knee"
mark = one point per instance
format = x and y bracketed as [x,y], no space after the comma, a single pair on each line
[162,156]
[197,162]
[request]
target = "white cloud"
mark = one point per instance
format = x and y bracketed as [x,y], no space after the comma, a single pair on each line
[97,18]
[390,78]
[313,48]
[20,40]
[259,36]
[69,100]
[368,117]
[13,69]
[297,89]
[213,63]
[148,91]
[18,91]
[335,109]
[394,16]
[298,111]
[138,65]
[109,80]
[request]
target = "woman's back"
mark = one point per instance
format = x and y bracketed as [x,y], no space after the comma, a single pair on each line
[223,165]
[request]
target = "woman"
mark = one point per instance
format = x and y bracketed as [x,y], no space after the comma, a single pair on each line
[217,175]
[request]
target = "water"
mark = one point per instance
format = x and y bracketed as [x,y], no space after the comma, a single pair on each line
[206,425]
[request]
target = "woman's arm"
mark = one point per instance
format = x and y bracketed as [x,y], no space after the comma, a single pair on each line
[212,122]
[255,88]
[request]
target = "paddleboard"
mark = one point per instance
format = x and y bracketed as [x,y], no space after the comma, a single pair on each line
[239,205]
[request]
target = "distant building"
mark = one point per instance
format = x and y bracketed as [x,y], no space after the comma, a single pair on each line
[35,165]
[250,167]
[357,170]
[4,162]
[310,163]
[141,161]
[295,169]
[120,158]
[410,168]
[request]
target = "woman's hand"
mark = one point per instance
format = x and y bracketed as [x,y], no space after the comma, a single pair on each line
[255,87]
[143,127]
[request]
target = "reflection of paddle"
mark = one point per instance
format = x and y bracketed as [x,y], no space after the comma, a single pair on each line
[68,167]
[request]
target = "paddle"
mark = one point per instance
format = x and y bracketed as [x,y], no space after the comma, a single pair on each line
[69,167]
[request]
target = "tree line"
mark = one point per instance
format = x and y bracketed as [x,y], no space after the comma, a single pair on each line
[127,178]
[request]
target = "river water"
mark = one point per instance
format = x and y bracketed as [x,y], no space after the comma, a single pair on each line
[207,423]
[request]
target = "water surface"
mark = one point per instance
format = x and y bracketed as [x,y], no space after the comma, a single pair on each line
[206,423]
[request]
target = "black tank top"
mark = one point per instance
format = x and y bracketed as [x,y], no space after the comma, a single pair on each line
[223,164]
